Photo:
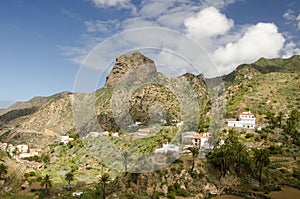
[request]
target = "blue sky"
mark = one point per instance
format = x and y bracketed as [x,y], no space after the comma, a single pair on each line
[43,43]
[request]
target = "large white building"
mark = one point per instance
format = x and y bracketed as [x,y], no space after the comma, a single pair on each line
[166,148]
[246,120]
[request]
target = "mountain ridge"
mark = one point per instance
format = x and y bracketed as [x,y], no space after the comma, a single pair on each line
[56,113]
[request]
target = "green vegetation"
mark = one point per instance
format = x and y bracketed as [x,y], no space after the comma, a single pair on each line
[3,170]
[103,180]
[195,153]
[69,177]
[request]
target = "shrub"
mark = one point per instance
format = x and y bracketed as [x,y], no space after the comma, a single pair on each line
[171,188]
[32,173]
[171,195]
[157,195]
[264,136]
[26,175]
[257,139]
[182,192]
[296,173]
[249,135]
[274,150]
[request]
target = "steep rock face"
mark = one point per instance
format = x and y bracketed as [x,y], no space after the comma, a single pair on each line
[129,63]
[156,104]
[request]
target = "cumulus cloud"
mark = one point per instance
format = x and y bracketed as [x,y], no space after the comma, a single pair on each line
[260,40]
[207,23]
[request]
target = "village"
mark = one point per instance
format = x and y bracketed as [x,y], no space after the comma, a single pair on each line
[190,139]
[186,140]
[203,141]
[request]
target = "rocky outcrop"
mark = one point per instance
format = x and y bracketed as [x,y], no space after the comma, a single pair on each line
[128,64]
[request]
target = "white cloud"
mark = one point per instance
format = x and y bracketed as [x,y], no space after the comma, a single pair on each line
[175,17]
[101,26]
[298,19]
[208,22]
[292,17]
[154,8]
[137,22]
[109,3]
[290,49]
[217,3]
[260,40]
[289,15]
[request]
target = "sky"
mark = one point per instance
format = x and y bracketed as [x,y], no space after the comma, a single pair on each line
[45,46]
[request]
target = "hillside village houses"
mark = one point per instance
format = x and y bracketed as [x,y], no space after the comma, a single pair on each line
[22,151]
[188,140]
[246,120]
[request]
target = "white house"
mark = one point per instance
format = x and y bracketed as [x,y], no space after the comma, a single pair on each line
[25,155]
[11,149]
[168,148]
[96,134]
[22,148]
[77,193]
[246,120]
[179,124]
[3,146]
[115,135]
[143,133]
[202,141]
[65,139]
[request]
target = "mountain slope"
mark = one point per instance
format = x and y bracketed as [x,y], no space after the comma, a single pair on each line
[21,109]
[265,86]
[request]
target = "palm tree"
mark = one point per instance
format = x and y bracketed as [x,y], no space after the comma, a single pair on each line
[261,159]
[195,153]
[69,177]
[292,125]
[221,159]
[103,180]
[46,182]
[3,170]
[279,118]
[125,158]
[272,119]
[239,156]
